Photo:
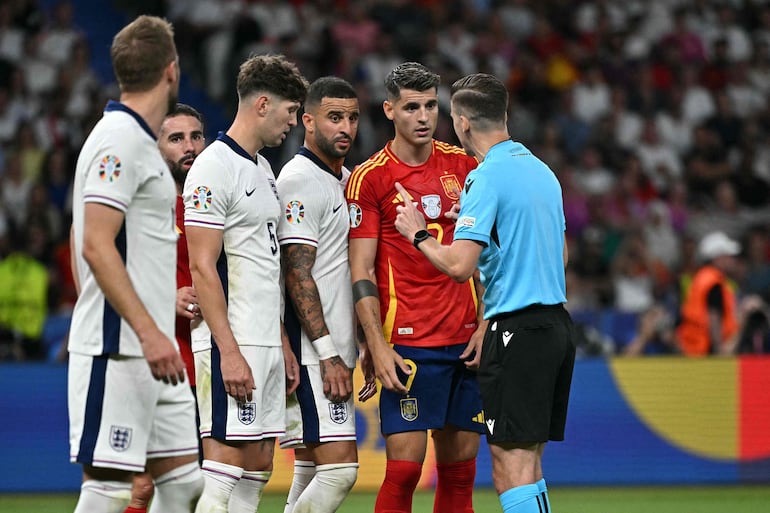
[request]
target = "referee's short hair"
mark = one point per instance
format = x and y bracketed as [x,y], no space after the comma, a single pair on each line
[482,98]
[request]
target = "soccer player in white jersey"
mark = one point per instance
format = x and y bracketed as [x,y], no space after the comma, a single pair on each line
[231,219]
[128,406]
[319,319]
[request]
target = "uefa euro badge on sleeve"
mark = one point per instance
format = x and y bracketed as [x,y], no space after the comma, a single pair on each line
[338,412]
[431,205]
[409,409]
[120,438]
[247,413]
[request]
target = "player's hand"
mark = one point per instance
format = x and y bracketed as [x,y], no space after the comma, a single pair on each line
[409,220]
[237,376]
[163,358]
[453,213]
[292,370]
[472,353]
[187,303]
[337,379]
[386,361]
[369,389]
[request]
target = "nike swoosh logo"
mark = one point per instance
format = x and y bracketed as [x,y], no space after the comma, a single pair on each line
[249,193]
[335,209]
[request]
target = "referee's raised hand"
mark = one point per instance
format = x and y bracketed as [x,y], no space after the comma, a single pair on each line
[409,220]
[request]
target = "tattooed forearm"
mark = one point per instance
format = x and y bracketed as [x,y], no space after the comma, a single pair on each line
[297,262]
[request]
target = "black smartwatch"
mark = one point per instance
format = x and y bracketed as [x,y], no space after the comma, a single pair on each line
[420,236]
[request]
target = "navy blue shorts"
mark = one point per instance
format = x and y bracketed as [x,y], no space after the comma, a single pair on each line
[442,391]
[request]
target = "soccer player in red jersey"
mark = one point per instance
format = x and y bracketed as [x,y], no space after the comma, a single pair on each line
[421,328]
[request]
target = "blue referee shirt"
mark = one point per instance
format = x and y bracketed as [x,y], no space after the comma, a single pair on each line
[512,203]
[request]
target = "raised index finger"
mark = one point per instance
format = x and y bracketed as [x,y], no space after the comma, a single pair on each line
[404,194]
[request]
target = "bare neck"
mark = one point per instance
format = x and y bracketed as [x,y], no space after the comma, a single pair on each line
[483,141]
[247,134]
[151,106]
[411,154]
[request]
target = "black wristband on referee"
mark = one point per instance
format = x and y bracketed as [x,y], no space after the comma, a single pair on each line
[364,288]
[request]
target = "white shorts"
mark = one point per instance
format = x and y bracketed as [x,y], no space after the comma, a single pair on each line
[222,417]
[315,419]
[120,416]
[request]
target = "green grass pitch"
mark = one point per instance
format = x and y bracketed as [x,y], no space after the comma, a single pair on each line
[695,499]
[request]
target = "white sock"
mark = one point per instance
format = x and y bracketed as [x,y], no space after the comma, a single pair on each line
[103,496]
[219,479]
[177,490]
[328,488]
[247,493]
[303,473]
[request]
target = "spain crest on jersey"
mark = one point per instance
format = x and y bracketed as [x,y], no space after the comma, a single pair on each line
[247,413]
[409,410]
[451,186]
[338,412]
[431,205]
[120,438]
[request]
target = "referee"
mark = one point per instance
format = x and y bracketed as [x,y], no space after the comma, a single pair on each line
[511,226]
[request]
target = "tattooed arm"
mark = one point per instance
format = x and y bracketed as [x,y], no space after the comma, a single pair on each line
[297,262]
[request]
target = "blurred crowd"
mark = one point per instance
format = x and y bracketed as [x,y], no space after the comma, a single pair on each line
[655,116]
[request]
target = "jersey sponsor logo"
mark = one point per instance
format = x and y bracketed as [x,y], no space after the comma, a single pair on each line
[250,192]
[120,438]
[399,199]
[507,337]
[335,209]
[338,412]
[201,198]
[406,331]
[468,184]
[355,215]
[431,205]
[490,426]
[468,222]
[478,418]
[451,186]
[409,411]
[295,212]
[247,413]
[109,168]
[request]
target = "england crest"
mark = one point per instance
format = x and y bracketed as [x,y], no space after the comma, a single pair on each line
[409,409]
[120,438]
[431,205]
[247,413]
[338,412]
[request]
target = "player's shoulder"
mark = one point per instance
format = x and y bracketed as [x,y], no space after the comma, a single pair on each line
[447,151]
[370,170]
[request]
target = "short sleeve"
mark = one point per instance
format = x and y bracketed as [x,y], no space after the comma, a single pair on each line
[207,194]
[303,209]
[478,210]
[115,174]
[363,206]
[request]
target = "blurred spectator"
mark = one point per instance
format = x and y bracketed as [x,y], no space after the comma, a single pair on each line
[633,275]
[756,276]
[659,162]
[709,315]
[14,192]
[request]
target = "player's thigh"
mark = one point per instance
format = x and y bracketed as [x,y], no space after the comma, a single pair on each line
[334,452]
[252,455]
[407,446]
[174,432]
[453,445]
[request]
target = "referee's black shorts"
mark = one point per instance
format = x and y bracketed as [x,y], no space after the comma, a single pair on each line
[525,374]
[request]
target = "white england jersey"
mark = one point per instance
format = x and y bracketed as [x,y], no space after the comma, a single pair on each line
[226,189]
[120,166]
[316,214]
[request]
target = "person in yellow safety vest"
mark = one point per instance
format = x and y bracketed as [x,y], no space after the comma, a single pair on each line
[709,318]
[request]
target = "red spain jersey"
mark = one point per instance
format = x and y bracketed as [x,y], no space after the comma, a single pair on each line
[419,305]
[183,279]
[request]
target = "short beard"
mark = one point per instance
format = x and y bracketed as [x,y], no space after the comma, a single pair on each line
[178,172]
[327,148]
